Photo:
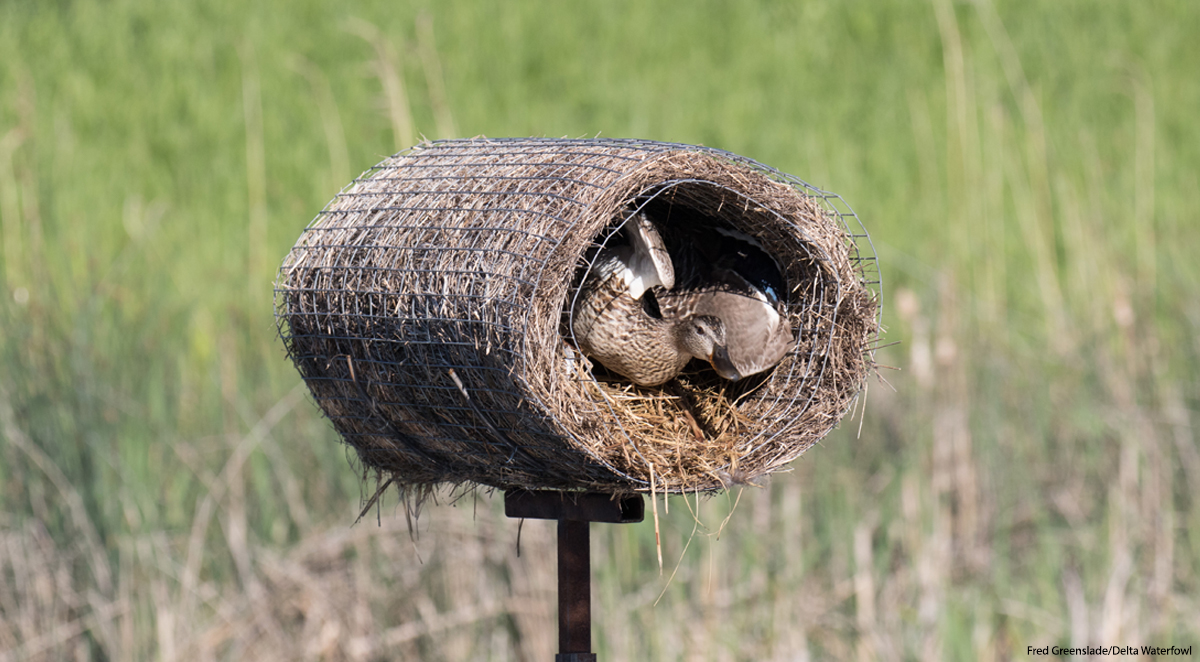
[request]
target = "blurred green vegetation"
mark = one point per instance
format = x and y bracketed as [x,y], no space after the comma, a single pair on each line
[1029,476]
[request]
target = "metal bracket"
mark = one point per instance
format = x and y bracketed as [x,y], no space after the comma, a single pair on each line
[574,511]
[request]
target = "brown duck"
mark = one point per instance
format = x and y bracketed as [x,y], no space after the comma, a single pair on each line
[616,319]
[629,317]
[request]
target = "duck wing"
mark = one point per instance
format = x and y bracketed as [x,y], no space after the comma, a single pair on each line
[750,260]
[646,261]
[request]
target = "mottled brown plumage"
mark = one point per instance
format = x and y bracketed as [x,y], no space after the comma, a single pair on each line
[722,316]
[615,318]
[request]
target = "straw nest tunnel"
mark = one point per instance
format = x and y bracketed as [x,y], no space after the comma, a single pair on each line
[426,308]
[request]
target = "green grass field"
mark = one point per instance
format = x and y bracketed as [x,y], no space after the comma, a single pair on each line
[1029,478]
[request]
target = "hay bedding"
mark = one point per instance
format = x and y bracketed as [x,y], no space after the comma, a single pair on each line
[427,309]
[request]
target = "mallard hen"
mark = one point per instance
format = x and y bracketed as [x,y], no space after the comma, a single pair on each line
[616,319]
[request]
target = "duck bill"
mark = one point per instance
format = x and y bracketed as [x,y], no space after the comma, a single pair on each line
[721,363]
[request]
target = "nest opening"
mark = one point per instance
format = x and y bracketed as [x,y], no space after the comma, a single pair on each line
[698,408]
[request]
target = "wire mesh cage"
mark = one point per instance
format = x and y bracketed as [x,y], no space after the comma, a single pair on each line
[428,307]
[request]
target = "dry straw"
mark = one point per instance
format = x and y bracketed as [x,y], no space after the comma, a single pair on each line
[427,309]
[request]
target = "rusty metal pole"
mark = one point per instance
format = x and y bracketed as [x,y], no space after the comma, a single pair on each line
[574,512]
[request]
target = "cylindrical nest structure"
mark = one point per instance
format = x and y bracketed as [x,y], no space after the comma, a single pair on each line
[427,309]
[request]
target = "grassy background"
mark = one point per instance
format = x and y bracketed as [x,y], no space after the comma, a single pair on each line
[1027,170]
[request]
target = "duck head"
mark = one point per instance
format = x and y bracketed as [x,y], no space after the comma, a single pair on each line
[703,336]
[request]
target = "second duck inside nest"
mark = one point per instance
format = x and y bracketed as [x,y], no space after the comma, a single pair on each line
[681,316]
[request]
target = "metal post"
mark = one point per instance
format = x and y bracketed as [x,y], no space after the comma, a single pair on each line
[574,512]
[574,592]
